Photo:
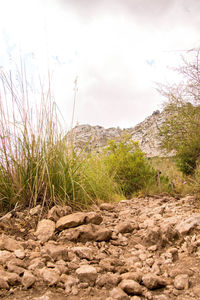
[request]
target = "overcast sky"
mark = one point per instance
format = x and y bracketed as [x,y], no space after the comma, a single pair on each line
[117,48]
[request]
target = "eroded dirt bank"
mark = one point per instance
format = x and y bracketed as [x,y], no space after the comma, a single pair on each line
[136,249]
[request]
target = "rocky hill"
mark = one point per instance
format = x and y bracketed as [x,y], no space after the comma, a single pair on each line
[146,133]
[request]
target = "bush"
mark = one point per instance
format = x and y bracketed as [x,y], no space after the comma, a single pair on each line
[128,165]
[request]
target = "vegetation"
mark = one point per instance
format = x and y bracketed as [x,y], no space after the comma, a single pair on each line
[181,129]
[129,166]
[38,165]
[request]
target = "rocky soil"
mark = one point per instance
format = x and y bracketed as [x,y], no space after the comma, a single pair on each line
[136,249]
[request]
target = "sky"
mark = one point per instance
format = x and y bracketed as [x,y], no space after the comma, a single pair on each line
[118,50]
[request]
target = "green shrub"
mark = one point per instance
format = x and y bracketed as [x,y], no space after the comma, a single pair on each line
[129,167]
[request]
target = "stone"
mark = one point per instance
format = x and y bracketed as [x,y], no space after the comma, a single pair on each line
[118,294]
[9,244]
[87,273]
[69,221]
[108,280]
[56,252]
[107,206]
[57,211]
[136,276]
[181,282]
[28,279]
[84,233]
[45,230]
[93,218]
[50,276]
[124,227]
[152,281]
[83,252]
[11,278]
[35,210]
[161,297]
[5,256]
[188,224]
[19,253]
[36,263]
[131,287]
[3,284]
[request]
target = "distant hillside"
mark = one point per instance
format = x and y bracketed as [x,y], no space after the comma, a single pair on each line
[96,137]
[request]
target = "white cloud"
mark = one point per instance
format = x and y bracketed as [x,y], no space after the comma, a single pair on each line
[109,44]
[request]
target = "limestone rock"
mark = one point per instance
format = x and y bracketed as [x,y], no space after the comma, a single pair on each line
[124,227]
[94,218]
[10,244]
[188,224]
[45,230]
[35,210]
[107,206]
[131,287]
[3,284]
[57,211]
[56,252]
[83,252]
[28,279]
[108,280]
[50,276]
[87,273]
[69,221]
[181,282]
[5,256]
[152,281]
[118,294]
[84,233]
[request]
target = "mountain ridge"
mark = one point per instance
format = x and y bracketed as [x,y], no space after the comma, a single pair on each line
[146,133]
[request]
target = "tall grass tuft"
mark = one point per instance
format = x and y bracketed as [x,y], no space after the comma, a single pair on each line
[37,165]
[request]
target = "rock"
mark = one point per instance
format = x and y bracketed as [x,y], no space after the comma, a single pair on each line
[36,263]
[19,253]
[94,218]
[188,224]
[56,252]
[108,280]
[152,281]
[11,278]
[57,211]
[84,233]
[131,287]
[69,221]
[45,230]
[28,279]
[3,284]
[35,210]
[196,291]
[118,294]
[10,244]
[83,252]
[50,276]
[136,276]
[161,297]
[181,282]
[124,227]
[107,206]
[16,265]
[5,256]
[87,273]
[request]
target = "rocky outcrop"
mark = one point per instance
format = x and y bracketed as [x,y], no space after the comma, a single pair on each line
[146,133]
[136,249]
